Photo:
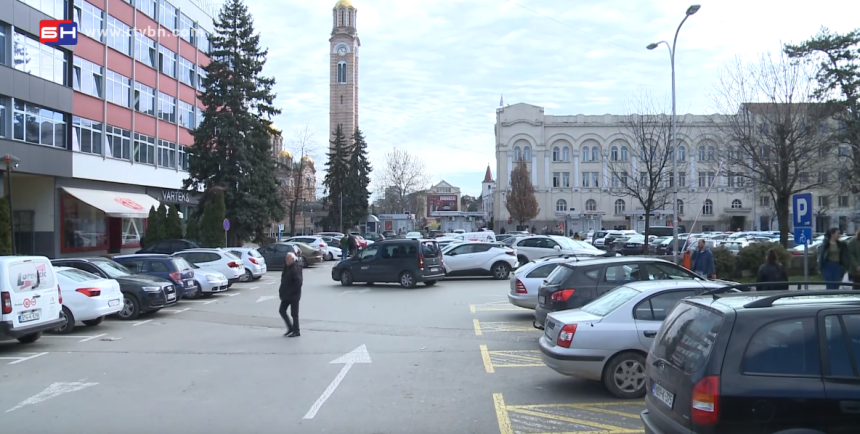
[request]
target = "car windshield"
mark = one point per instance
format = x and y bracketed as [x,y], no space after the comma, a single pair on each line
[605,304]
[636,239]
[233,255]
[181,263]
[733,246]
[112,269]
[78,275]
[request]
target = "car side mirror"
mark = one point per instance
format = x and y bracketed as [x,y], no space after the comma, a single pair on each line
[557,248]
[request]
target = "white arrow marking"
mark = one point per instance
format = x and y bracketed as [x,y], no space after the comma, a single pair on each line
[266,298]
[52,391]
[358,355]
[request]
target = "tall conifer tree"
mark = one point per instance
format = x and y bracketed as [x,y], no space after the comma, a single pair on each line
[335,182]
[231,145]
[358,180]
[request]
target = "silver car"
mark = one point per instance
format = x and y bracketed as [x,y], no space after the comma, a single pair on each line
[252,260]
[209,281]
[526,280]
[607,340]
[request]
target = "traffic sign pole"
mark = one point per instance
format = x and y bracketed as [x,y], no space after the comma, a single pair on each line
[801,205]
[226,228]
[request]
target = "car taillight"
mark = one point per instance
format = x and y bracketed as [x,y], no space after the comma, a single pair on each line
[562,295]
[706,401]
[60,294]
[521,289]
[6,302]
[233,264]
[176,276]
[565,336]
[510,252]
[254,261]
[90,292]
[420,261]
[322,245]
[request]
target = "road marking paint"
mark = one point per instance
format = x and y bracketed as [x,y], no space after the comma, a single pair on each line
[21,359]
[474,308]
[195,301]
[477,324]
[266,298]
[234,294]
[92,337]
[511,358]
[502,414]
[580,418]
[210,302]
[500,327]
[251,289]
[141,323]
[181,310]
[358,355]
[608,429]
[52,391]
[488,363]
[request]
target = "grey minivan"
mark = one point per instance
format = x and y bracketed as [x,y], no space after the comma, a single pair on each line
[403,261]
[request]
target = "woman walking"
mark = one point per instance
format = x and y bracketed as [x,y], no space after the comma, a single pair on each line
[854,255]
[772,272]
[833,259]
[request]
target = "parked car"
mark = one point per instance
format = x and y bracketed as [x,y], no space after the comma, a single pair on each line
[174,269]
[373,236]
[414,235]
[541,246]
[389,234]
[219,260]
[208,281]
[785,362]
[30,298]
[310,255]
[87,298]
[526,280]
[141,293]
[275,254]
[252,260]
[479,259]
[317,242]
[634,245]
[169,247]
[335,249]
[573,285]
[607,340]
[405,261]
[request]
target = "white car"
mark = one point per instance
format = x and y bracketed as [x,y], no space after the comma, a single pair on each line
[87,298]
[215,259]
[30,299]
[209,281]
[528,278]
[541,246]
[479,259]
[316,242]
[414,235]
[254,262]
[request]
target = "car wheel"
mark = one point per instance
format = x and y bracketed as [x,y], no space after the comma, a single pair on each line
[130,308]
[93,322]
[29,339]
[257,278]
[407,279]
[68,322]
[625,376]
[330,256]
[501,270]
[346,278]
[247,277]
[430,282]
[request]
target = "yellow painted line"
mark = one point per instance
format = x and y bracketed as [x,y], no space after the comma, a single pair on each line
[488,363]
[625,431]
[500,327]
[584,403]
[477,325]
[502,414]
[495,308]
[608,429]
[590,407]
[472,308]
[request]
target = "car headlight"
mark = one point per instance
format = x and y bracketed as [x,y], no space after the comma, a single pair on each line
[152,288]
[210,278]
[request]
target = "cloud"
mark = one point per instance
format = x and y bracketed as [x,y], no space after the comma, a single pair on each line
[431,73]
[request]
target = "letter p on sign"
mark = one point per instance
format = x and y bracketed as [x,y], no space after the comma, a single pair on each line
[58,32]
[802,209]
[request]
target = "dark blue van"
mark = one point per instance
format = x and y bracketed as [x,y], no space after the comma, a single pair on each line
[177,270]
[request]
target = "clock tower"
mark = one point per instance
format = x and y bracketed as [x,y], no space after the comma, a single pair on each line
[343,70]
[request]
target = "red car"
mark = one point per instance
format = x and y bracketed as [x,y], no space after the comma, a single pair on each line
[362,243]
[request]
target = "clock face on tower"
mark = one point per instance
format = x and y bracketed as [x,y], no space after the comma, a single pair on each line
[341,51]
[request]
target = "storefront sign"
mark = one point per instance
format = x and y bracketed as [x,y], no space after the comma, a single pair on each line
[395,216]
[175,196]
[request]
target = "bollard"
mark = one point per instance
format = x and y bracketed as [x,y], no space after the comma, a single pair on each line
[686,263]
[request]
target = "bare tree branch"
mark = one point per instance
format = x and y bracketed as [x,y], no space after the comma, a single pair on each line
[401,182]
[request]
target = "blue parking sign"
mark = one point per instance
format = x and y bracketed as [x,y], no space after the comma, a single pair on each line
[801,205]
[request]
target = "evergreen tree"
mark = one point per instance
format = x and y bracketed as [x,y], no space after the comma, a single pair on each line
[356,197]
[173,225]
[231,146]
[335,182]
[192,228]
[5,228]
[151,228]
[212,223]
[162,223]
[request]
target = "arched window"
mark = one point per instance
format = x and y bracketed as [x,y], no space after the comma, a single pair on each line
[517,155]
[712,153]
[613,153]
[682,153]
[586,154]
[619,207]
[556,154]
[527,154]
[708,207]
[624,156]
[565,154]
[561,205]
[595,154]
[341,72]
[591,205]
[680,207]
[737,204]
[701,153]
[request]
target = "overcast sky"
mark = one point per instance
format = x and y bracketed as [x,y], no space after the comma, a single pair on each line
[432,72]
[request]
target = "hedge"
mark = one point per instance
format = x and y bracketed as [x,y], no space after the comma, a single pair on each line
[754,256]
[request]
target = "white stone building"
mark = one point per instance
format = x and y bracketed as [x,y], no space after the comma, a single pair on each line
[570,159]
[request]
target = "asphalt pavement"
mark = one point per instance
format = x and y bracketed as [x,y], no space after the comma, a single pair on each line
[452,358]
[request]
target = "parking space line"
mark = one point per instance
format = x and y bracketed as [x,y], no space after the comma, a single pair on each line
[175,311]
[210,302]
[477,324]
[488,363]
[579,418]
[251,289]
[499,327]
[92,337]
[141,323]
[475,308]
[502,414]
[607,429]
[509,359]
[22,359]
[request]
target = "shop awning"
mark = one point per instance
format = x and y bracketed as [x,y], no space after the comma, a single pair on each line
[116,204]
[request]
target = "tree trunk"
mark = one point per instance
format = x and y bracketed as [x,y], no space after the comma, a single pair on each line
[647,210]
[293,209]
[782,216]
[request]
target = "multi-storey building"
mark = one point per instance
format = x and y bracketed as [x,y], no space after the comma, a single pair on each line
[570,160]
[101,127]
[343,70]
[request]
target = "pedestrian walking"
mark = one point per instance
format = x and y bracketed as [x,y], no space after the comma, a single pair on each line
[290,292]
[854,255]
[771,271]
[344,247]
[702,260]
[353,243]
[833,258]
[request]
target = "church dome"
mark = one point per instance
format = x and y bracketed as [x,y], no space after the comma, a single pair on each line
[286,153]
[307,158]
[343,4]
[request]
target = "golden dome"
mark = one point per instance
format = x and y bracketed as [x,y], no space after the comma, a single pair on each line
[307,158]
[343,4]
[286,153]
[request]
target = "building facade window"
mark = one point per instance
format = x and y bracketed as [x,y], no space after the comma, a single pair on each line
[167,15]
[561,205]
[118,35]
[517,154]
[682,180]
[565,154]
[3,59]
[203,40]
[187,72]
[613,153]
[619,206]
[166,107]
[586,179]
[764,201]
[144,149]
[708,207]
[118,142]
[556,179]
[341,72]
[167,61]
[201,77]
[88,78]
[527,154]
[38,59]
[90,20]
[144,99]
[183,158]
[591,205]
[133,230]
[84,227]
[87,136]
[147,6]
[166,154]
[624,154]
[823,202]
[186,29]
[118,89]
[702,155]
[565,179]
[737,204]
[556,154]
[186,115]
[52,8]
[198,118]
[38,125]
[843,201]
[144,50]
[586,154]
[3,119]
[680,207]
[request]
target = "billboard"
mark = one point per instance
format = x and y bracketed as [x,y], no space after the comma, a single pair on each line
[441,202]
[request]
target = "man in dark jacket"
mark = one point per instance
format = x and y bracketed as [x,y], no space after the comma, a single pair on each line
[702,261]
[290,293]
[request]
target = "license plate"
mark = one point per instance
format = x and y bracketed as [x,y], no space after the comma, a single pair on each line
[548,328]
[29,316]
[434,269]
[113,303]
[541,299]
[171,297]
[663,395]
[189,283]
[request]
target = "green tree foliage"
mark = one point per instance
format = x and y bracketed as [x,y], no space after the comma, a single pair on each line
[724,262]
[154,227]
[162,222]
[232,147]
[5,228]
[192,228]
[521,201]
[173,224]
[356,196]
[337,171]
[754,256]
[212,223]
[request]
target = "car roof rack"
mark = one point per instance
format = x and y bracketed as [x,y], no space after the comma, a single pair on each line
[744,287]
[768,301]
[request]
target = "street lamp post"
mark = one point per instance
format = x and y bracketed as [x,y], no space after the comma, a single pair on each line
[690,11]
[11,162]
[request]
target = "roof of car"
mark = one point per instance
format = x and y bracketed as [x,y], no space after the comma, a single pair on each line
[142,255]
[625,259]
[765,299]
[656,285]
[93,259]
[203,249]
